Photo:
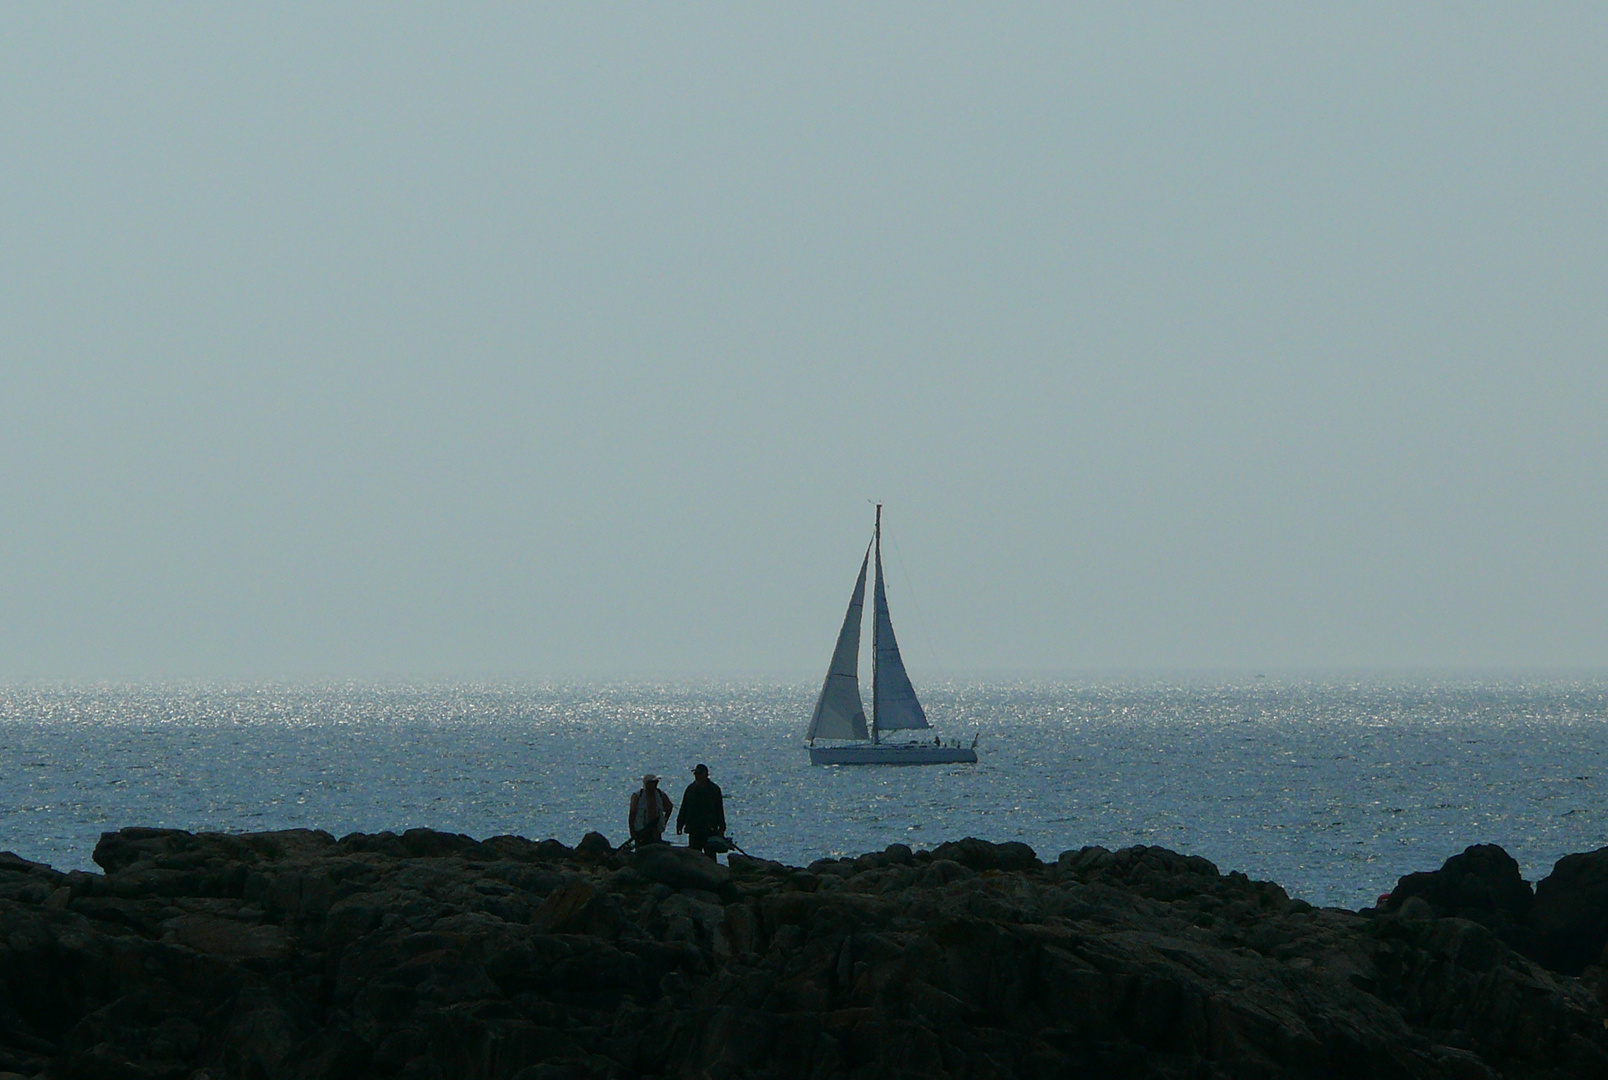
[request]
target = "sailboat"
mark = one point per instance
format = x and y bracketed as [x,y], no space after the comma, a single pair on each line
[839,713]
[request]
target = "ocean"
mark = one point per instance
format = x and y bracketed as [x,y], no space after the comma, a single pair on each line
[1333,788]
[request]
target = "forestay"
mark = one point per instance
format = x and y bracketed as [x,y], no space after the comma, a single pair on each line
[839,713]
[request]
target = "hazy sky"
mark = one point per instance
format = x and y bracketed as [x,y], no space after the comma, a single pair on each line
[394,341]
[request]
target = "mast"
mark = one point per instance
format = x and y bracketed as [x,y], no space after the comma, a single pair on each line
[876,637]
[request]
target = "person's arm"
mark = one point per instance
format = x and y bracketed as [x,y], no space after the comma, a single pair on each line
[681,815]
[720,812]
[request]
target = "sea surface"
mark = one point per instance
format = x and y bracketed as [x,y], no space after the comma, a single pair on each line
[1333,788]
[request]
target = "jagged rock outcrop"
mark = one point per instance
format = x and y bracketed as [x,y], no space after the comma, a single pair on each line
[1562,924]
[296,955]
[1483,885]
[1569,919]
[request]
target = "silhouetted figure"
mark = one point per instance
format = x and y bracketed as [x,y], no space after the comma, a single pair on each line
[650,812]
[703,811]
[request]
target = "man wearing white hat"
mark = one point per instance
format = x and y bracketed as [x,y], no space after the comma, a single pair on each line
[650,810]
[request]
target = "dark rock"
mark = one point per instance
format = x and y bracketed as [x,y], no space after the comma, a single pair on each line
[1416,909]
[433,955]
[30,882]
[1084,859]
[680,868]
[941,872]
[513,848]
[980,855]
[175,849]
[427,843]
[579,908]
[227,938]
[380,843]
[745,865]
[1483,885]
[552,849]
[12,863]
[117,850]
[1569,917]
[594,846]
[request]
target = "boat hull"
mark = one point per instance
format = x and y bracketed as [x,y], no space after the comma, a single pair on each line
[892,754]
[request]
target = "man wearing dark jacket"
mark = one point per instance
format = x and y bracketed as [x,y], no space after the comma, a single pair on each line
[703,811]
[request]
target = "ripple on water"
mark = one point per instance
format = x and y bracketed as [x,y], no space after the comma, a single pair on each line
[1332,789]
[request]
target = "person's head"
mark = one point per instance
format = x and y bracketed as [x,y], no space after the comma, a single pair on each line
[650,781]
[700,772]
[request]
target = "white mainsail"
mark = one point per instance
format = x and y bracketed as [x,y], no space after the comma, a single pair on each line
[839,713]
[893,699]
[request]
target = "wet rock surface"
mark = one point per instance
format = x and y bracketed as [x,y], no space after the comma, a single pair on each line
[293,954]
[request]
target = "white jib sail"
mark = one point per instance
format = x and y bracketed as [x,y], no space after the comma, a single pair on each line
[893,698]
[839,713]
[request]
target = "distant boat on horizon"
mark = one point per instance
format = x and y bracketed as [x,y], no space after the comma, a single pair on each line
[839,712]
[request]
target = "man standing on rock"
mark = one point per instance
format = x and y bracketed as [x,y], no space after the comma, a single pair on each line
[703,811]
[650,811]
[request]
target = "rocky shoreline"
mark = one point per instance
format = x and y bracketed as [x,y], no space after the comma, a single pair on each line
[296,955]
